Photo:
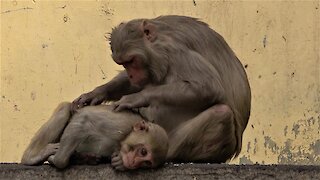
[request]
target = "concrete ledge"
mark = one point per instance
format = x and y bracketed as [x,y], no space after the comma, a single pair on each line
[169,171]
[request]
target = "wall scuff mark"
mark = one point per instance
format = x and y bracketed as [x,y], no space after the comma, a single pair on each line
[15,10]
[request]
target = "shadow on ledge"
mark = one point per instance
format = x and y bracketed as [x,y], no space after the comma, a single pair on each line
[169,171]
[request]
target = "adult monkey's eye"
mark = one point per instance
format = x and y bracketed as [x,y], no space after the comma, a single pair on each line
[130,148]
[143,152]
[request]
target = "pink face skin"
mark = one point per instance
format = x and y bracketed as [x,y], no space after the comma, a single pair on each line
[135,70]
[139,156]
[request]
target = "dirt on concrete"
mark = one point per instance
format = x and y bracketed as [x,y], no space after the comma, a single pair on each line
[168,171]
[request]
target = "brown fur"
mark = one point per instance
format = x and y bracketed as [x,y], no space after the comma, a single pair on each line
[96,131]
[182,75]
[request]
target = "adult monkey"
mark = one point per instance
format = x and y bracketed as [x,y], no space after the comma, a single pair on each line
[182,75]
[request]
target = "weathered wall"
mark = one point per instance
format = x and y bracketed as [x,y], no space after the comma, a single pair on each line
[54,51]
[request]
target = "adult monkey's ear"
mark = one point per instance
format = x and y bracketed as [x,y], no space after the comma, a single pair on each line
[149,30]
[141,126]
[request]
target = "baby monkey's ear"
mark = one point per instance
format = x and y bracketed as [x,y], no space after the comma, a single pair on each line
[141,126]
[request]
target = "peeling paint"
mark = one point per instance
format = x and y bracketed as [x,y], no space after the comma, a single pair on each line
[315,147]
[292,74]
[16,107]
[33,95]
[311,121]
[245,160]
[270,144]
[286,155]
[107,11]
[62,7]
[284,38]
[285,131]
[44,46]
[297,155]
[295,130]
[248,147]
[255,146]
[66,18]
[264,41]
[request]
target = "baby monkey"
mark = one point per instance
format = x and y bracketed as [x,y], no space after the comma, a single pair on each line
[97,131]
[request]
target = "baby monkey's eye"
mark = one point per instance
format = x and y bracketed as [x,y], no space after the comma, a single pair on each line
[147,163]
[143,152]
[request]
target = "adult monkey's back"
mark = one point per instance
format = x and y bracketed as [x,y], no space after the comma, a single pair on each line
[182,75]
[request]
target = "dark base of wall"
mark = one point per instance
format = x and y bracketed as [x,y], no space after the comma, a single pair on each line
[169,171]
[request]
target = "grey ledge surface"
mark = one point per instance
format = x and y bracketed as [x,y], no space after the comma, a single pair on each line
[168,171]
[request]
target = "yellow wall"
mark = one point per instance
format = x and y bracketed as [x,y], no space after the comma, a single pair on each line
[54,51]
